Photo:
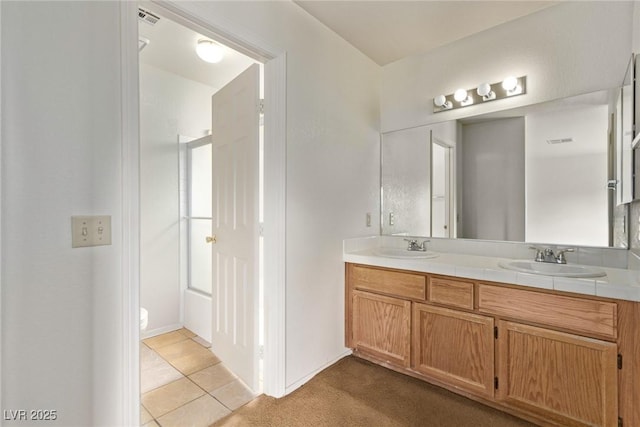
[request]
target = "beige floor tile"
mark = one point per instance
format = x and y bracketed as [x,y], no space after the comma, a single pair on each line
[233,395]
[145,416]
[151,424]
[188,356]
[213,377]
[187,333]
[202,341]
[165,339]
[154,370]
[171,396]
[202,412]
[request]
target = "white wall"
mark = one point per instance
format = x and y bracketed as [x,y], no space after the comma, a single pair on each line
[169,105]
[332,167]
[406,182]
[62,313]
[62,318]
[567,49]
[493,180]
[566,183]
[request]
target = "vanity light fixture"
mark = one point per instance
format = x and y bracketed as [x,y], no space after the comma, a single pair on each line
[462,96]
[441,102]
[209,51]
[485,92]
[512,86]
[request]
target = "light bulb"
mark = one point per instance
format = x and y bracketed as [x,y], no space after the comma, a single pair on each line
[460,95]
[484,89]
[209,51]
[510,84]
[440,101]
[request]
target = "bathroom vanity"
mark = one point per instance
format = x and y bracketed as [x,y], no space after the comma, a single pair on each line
[546,355]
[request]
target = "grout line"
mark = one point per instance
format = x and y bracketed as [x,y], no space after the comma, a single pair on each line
[187,376]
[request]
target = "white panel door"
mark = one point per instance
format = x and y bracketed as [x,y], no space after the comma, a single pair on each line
[440,188]
[235,180]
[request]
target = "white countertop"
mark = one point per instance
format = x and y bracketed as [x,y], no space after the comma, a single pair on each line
[618,283]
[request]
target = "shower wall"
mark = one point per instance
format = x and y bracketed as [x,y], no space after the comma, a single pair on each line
[170,105]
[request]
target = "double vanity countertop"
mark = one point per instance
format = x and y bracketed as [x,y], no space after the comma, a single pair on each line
[618,283]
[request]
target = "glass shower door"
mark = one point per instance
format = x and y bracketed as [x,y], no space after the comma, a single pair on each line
[199,218]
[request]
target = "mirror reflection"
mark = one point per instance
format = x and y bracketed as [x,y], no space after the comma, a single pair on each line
[538,173]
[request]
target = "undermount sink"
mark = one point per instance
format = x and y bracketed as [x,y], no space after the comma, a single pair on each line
[403,253]
[550,269]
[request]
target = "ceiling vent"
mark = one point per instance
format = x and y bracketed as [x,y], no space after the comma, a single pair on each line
[559,141]
[148,17]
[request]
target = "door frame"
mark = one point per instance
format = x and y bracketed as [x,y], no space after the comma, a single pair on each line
[274,61]
[450,176]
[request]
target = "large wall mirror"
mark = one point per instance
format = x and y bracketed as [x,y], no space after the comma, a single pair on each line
[550,173]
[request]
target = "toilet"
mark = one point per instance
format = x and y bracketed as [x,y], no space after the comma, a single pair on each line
[144,318]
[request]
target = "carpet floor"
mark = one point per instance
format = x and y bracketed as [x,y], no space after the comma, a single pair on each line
[354,392]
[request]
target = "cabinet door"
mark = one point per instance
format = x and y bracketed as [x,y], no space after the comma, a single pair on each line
[455,347]
[382,327]
[567,378]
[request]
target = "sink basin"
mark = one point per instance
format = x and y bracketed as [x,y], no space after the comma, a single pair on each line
[549,269]
[403,253]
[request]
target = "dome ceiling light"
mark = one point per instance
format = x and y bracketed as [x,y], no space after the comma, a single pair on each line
[209,51]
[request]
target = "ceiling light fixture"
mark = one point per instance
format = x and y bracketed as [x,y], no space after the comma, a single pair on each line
[511,86]
[209,51]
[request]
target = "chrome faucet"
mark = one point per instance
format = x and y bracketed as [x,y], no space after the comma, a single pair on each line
[414,246]
[547,255]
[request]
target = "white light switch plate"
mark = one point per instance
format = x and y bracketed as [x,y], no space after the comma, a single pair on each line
[90,231]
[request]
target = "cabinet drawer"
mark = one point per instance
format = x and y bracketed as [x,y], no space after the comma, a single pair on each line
[454,293]
[407,285]
[581,315]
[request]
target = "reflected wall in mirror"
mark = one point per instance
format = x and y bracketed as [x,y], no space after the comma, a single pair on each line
[413,175]
[624,137]
[537,173]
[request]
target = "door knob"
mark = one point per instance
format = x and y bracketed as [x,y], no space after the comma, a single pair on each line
[211,239]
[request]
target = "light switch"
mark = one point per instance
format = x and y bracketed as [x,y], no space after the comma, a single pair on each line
[90,231]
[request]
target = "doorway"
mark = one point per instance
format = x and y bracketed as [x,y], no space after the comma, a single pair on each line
[170,87]
[441,177]
[275,102]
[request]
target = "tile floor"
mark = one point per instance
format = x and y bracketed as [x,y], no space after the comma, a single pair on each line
[184,384]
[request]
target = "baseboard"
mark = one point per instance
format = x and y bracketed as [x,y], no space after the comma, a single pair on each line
[159,331]
[299,383]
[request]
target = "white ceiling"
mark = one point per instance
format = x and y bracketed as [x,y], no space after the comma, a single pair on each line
[385,31]
[389,30]
[172,48]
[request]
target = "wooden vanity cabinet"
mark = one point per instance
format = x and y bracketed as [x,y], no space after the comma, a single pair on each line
[566,378]
[552,358]
[382,327]
[454,347]
[378,305]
